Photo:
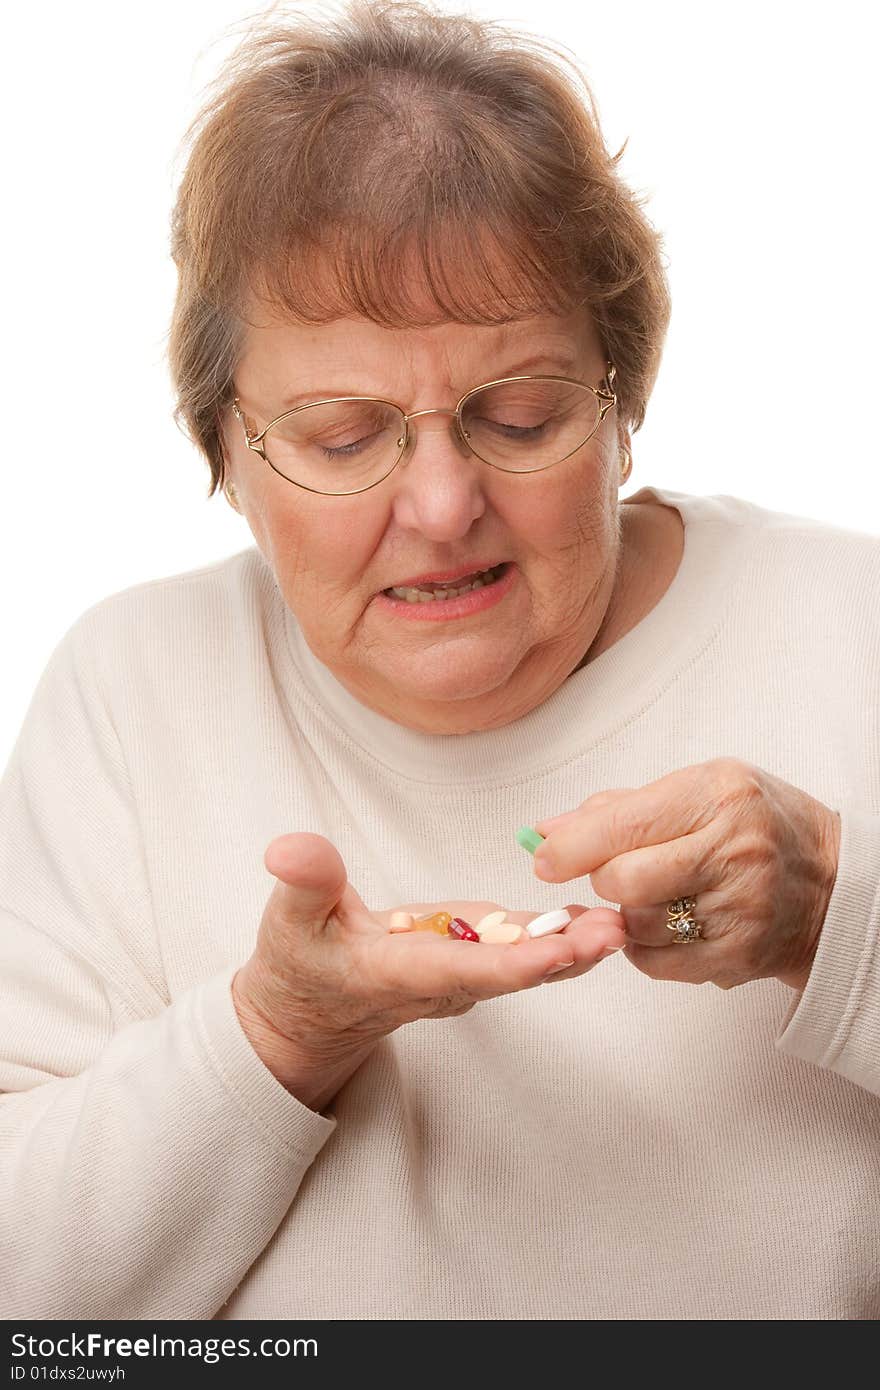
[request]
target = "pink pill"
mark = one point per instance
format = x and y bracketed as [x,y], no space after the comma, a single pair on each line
[462,929]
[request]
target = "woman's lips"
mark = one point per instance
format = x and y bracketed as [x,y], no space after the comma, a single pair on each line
[448,577]
[446,609]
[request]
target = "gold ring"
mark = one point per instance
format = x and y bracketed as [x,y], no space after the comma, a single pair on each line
[681,923]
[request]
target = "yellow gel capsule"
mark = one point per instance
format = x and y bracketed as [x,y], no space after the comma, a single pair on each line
[435,921]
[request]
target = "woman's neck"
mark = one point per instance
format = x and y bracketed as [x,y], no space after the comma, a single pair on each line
[651,547]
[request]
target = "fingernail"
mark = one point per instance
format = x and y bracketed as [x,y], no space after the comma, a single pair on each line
[612,950]
[545,868]
[556,969]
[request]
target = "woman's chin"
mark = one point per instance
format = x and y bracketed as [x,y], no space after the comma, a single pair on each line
[449,684]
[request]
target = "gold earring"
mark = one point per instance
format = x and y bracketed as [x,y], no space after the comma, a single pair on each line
[627,463]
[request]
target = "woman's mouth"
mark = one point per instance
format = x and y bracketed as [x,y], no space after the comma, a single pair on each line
[459,599]
[442,593]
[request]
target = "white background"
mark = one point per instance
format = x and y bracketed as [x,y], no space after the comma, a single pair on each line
[752,129]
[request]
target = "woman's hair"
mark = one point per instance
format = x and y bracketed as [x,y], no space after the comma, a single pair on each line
[387,160]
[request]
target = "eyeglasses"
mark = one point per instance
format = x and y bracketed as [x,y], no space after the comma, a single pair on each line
[518,424]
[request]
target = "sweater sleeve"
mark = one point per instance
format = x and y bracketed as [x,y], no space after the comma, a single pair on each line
[835,1022]
[147,1155]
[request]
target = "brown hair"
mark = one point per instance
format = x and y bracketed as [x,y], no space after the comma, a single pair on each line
[343,160]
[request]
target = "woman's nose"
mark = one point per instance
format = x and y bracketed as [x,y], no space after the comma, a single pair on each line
[439,488]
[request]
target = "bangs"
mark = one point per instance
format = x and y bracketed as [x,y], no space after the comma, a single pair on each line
[442,272]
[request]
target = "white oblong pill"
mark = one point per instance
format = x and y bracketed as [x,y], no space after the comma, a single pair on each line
[402,921]
[548,922]
[491,919]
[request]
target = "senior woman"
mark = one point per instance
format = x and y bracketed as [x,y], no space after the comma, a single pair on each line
[418,321]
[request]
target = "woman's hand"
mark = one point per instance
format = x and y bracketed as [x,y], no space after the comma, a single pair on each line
[758,855]
[328,979]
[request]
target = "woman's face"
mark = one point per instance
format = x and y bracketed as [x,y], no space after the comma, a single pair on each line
[440,510]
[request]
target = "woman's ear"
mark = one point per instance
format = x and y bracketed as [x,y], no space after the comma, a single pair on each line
[221,422]
[624,454]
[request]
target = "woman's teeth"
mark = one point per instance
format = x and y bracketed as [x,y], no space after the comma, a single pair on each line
[431,594]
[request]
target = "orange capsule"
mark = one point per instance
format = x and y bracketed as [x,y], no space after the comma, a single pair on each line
[435,921]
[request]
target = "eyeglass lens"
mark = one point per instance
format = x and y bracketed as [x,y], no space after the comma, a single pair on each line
[347,445]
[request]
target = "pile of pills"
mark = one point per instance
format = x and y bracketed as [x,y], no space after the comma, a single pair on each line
[493,928]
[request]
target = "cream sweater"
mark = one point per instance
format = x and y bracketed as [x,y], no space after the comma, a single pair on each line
[608,1148]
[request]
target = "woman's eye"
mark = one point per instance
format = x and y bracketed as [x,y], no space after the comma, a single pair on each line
[517,431]
[345,450]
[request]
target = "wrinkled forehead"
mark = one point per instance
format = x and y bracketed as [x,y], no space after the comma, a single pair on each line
[433,301]
[564,344]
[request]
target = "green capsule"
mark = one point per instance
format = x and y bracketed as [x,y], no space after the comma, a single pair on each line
[529,838]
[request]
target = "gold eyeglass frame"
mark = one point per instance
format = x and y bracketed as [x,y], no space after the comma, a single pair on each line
[604,393]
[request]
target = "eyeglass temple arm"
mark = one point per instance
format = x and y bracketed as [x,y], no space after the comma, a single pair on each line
[607,397]
[252,440]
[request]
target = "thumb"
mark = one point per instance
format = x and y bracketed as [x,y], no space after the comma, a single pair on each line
[310,872]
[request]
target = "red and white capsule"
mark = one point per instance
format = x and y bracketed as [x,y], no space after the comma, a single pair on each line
[458,927]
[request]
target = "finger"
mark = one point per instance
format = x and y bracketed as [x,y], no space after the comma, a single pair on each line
[659,873]
[590,948]
[311,878]
[586,958]
[611,915]
[597,800]
[699,963]
[646,926]
[682,802]
[598,916]
[312,883]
